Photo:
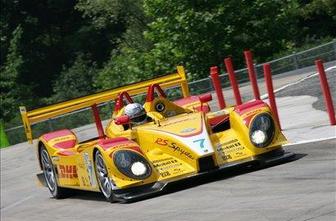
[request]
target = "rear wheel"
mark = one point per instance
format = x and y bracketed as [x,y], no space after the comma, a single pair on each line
[104,180]
[50,176]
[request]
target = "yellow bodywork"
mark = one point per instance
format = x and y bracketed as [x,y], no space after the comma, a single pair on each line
[45,113]
[173,141]
[165,143]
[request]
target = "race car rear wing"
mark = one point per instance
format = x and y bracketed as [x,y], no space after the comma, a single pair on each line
[41,114]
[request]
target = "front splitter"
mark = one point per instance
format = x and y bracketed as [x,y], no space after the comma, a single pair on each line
[268,159]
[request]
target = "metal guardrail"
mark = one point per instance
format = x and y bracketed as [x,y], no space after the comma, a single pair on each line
[295,61]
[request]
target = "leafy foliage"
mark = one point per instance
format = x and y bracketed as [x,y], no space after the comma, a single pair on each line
[8,77]
[316,19]
[57,50]
[76,80]
[199,34]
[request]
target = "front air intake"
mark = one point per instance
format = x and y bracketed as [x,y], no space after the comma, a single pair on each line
[206,164]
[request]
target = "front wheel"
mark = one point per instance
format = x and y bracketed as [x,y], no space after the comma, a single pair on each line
[50,176]
[104,181]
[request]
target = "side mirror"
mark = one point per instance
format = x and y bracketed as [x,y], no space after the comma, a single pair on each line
[122,120]
[205,98]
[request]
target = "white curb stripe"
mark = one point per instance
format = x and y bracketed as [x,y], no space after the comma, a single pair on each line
[16,203]
[297,82]
[310,141]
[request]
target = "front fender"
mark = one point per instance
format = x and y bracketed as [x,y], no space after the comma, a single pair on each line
[108,147]
[234,143]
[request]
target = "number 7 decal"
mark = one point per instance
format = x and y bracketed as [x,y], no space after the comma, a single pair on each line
[201,142]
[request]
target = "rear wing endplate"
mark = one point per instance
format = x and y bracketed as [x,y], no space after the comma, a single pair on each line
[41,114]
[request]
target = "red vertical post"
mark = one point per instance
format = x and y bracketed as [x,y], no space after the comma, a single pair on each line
[269,86]
[217,85]
[252,74]
[232,77]
[98,121]
[326,91]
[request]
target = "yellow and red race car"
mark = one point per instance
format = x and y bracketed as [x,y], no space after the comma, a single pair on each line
[176,140]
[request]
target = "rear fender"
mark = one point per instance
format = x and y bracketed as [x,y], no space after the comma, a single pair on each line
[59,141]
[54,153]
[61,146]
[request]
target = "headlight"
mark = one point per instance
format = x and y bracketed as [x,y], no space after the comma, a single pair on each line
[258,137]
[138,168]
[262,130]
[132,164]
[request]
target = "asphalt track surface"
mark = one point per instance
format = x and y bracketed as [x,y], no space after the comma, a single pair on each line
[303,189]
[311,87]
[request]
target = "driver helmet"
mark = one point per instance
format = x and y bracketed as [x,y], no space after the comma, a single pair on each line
[136,113]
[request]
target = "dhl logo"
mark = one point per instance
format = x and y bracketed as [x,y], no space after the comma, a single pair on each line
[67,171]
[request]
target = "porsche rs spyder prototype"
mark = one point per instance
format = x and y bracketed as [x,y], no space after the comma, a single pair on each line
[146,146]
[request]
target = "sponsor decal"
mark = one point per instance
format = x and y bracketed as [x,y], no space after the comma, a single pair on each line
[200,142]
[178,170]
[187,130]
[165,174]
[122,144]
[248,116]
[230,146]
[81,165]
[252,112]
[226,157]
[180,150]
[85,181]
[168,166]
[161,142]
[178,121]
[89,169]
[55,159]
[239,153]
[227,143]
[125,145]
[155,162]
[61,139]
[174,146]
[67,171]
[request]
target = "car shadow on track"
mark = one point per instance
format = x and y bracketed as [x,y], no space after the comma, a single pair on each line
[87,195]
[190,182]
[212,177]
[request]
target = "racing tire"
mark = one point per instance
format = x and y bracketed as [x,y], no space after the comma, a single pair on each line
[50,176]
[104,181]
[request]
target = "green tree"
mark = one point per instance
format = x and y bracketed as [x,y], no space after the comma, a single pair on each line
[53,33]
[127,62]
[76,80]
[316,19]
[9,92]
[123,41]
[199,34]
